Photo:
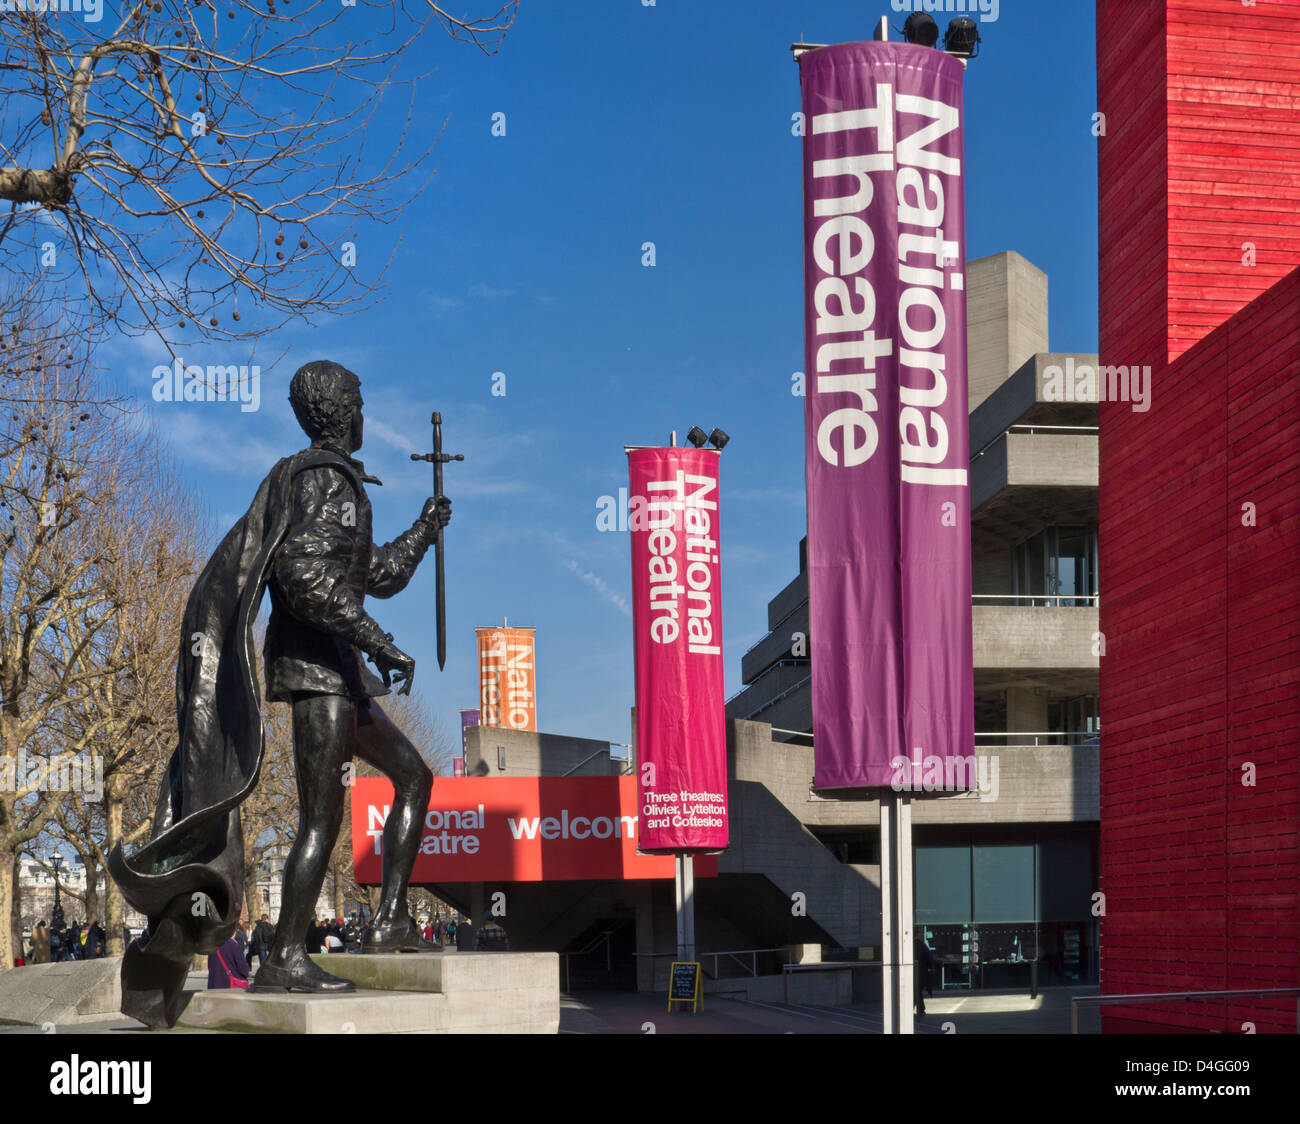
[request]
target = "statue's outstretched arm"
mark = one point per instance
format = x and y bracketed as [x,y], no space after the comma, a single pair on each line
[393,564]
[311,564]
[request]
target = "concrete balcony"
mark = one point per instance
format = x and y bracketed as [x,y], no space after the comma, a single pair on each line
[777,645]
[1040,460]
[1036,646]
[1021,784]
[1035,637]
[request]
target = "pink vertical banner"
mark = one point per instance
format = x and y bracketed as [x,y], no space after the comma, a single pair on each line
[887,431]
[677,630]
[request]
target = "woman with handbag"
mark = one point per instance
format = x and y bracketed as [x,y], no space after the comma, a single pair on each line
[228,967]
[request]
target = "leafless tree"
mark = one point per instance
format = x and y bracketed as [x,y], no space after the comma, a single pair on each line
[200,168]
[63,459]
[125,716]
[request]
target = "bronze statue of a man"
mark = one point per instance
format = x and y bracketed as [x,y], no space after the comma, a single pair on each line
[307,536]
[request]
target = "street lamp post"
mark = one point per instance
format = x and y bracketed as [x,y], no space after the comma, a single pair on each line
[56,914]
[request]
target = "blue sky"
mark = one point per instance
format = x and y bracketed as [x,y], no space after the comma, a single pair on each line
[627,124]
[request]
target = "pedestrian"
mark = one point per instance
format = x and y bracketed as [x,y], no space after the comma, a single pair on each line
[98,939]
[40,944]
[315,935]
[227,967]
[241,938]
[464,936]
[263,935]
[491,937]
[56,945]
[923,961]
[333,938]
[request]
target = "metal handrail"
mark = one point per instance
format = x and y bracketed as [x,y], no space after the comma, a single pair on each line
[1029,427]
[1091,600]
[799,605]
[735,955]
[788,661]
[1093,737]
[589,756]
[773,701]
[1173,997]
[591,947]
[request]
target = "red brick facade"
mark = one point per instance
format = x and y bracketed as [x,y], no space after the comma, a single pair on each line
[1200,507]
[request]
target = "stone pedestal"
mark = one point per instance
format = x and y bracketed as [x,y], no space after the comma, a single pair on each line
[401,993]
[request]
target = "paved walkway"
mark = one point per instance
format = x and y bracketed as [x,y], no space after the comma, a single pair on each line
[606,1012]
[980,1013]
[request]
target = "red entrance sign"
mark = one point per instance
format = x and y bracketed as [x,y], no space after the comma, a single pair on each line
[515,829]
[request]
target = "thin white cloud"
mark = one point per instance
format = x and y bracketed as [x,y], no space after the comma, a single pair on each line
[599,585]
[487,292]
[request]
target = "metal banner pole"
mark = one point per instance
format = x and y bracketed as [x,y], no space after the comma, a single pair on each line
[896,951]
[903,919]
[686,908]
[888,876]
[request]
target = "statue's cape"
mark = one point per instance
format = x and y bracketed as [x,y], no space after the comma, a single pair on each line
[189,879]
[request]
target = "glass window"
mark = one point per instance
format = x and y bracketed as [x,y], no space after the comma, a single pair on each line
[1031,568]
[1065,879]
[1003,882]
[1058,565]
[942,885]
[1072,563]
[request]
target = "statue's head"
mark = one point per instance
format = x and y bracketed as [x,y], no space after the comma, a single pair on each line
[326,400]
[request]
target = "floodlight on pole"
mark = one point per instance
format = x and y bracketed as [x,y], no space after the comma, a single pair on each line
[920,28]
[962,38]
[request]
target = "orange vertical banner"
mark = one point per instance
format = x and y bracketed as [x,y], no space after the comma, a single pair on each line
[507,677]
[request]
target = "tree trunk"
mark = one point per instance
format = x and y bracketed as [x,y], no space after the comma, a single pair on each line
[91,899]
[114,907]
[8,900]
[8,855]
[252,893]
[16,913]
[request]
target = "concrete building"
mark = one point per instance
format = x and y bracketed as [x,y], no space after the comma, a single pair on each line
[1005,876]
[36,894]
[1017,871]
[1199,241]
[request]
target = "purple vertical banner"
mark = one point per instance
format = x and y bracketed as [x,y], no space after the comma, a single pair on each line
[468,718]
[887,433]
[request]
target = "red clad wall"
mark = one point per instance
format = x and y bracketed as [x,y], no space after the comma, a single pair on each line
[1200,603]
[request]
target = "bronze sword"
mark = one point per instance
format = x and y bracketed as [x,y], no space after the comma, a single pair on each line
[439,458]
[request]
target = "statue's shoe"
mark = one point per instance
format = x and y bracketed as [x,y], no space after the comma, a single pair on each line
[300,975]
[402,937]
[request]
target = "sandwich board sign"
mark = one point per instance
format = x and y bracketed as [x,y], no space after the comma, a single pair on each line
[684,985]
